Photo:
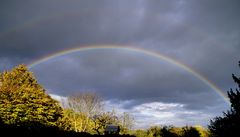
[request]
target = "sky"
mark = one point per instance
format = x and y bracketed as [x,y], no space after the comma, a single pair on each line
[204,35]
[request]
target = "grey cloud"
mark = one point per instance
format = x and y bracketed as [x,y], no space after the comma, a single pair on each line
[159,113]
[75,24]
[204,35]
[123,75]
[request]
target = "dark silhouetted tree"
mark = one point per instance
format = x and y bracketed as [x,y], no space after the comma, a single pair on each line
[190,132]
[229,124]
[166,131]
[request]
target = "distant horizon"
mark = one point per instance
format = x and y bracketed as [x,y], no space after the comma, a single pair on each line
[109,107]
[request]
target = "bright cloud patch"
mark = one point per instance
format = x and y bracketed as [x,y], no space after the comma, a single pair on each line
[159,113]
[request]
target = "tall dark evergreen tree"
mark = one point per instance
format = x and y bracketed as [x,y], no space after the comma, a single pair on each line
[229,124]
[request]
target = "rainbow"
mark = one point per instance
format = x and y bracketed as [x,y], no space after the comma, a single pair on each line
[139,50]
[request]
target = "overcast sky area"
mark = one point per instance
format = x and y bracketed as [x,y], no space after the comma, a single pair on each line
[202,34]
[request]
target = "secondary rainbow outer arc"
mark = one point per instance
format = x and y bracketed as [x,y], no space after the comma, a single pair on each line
[134,49]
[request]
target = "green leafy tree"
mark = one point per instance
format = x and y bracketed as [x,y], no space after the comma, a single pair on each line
[24,101]
[229,124]
[102,120]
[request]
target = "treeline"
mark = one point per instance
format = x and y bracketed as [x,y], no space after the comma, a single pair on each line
[27,110]
[171,131]
[84,112]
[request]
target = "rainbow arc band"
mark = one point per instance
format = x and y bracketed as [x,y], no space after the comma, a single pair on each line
[138,50]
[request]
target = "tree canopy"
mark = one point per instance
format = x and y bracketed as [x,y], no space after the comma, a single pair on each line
[23,100]
[24,103]
[228,124]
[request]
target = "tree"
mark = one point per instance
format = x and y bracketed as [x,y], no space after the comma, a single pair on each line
[81,107]
[79,121]
[102,120]
[228,124]
[190,132]
[88,103]
[154,131]
[24,101]
[65,122]
[202,130]
[126,123]
[167,131]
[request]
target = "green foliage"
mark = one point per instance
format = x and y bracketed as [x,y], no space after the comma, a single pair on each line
[80,108]
[141,133]
[78,121]
[228,124]
[23,100]
[171,131]
[65,123]
[85,113]
[24,103]
[203,132]
[154,131]
[104,119]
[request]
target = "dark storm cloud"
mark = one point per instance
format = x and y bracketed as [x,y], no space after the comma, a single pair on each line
[205,35]
[125,76]
[61,24]
[66,24]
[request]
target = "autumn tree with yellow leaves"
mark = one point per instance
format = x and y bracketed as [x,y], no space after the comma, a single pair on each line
[24,101]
